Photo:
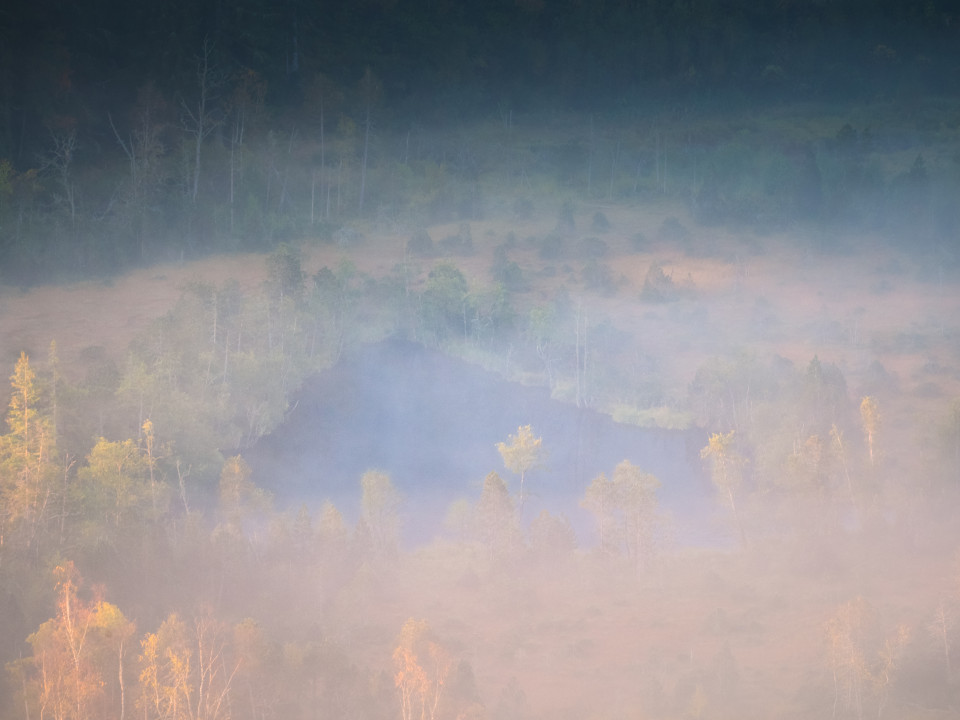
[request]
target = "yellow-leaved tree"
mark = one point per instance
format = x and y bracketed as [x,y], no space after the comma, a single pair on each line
[521,454]
[28,469]
[726,466]
[870,415]
[76,670]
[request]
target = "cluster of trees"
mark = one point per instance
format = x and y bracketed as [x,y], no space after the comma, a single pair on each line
[241,574]
[218,130]
[134,527]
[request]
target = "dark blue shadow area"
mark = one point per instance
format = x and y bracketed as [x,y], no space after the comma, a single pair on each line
[432,422]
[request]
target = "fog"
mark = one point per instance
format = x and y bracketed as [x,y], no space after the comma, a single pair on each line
[433,423]
[479,361]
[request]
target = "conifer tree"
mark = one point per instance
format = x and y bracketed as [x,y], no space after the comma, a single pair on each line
[27,461]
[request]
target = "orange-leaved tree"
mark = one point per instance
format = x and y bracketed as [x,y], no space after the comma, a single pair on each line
[76,670]
[421,669]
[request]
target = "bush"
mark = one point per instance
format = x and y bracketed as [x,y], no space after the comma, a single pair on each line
[550,246]
[420,244]
[657,285]
[506,271]
[600,223]
[598,277]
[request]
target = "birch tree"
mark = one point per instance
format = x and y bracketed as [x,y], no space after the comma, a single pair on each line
[726,465]
[636,496]
[199,117]
[870,415]
[521,454]
[421,668]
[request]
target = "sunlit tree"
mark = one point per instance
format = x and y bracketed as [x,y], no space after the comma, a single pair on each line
[726,465]
[77,656]
[636,495]
[521,454]
[240,498]
[421,667]
[115,481]
[28,470]
[870,416]
[186,671]
[599,501]
[862,658]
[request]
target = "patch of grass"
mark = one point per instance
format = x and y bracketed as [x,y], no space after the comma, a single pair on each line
[653,417]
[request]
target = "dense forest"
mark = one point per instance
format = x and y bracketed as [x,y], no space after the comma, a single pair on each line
[736,220]
[131,133]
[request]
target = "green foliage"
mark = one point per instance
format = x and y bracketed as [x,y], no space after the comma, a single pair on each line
[284,274]
[240,500]
[507,272]
[445,302]
[116,491]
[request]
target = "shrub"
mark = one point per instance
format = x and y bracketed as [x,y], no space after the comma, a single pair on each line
[598,277]
[420,244]
[600,223]
[550,246]
[657,285]
[506,271]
